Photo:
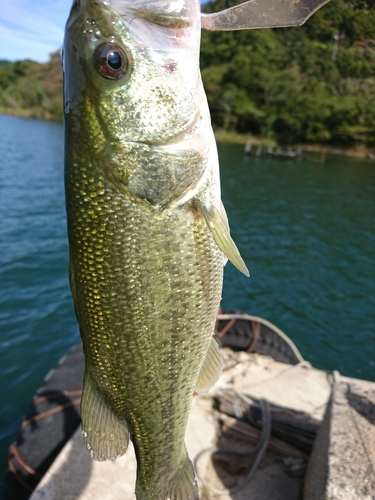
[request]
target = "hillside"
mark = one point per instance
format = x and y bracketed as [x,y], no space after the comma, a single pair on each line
[288,84]
[32,89]
[315,83]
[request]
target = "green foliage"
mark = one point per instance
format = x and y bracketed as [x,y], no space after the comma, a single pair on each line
[31,89]
[281,84]
[284,84]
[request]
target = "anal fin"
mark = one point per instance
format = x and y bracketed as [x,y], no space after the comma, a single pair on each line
[218,224]
[211,369]
[105,434]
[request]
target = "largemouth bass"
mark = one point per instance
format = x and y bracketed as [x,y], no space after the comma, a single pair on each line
[148,233]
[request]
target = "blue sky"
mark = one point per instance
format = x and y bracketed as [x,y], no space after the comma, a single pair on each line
[32,29]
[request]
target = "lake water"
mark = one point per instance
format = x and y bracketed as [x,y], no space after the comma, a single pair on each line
[305,230]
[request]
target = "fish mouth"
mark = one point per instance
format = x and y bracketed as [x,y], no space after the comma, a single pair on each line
[179,14]
[182,148]
[193,138]
[182,140]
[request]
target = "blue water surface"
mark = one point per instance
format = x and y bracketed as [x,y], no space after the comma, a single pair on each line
[37,323]
[305,230]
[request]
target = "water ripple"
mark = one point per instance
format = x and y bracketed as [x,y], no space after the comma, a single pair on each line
[307,235]
[306,232]
[37,320]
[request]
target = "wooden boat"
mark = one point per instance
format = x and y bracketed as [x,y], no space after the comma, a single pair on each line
[52,419]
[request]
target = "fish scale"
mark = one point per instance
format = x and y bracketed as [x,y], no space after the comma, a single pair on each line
[147,233]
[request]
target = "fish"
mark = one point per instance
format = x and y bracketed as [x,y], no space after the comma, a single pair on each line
[148,233]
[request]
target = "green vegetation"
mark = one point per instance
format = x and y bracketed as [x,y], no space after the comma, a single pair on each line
[31,89]
[284,85]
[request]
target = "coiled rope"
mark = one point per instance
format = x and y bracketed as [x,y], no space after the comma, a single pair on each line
[259,449]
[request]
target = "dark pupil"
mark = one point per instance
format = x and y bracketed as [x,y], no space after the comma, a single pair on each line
[114,60]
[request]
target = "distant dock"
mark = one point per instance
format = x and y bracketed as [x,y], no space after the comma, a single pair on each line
[272,152]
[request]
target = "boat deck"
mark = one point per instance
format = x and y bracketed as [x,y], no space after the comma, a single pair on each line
[299,389]
[298,432]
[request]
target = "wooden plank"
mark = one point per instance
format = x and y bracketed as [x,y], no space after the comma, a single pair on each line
[233,427]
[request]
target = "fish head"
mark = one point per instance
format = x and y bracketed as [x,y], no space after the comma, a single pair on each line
[132,66]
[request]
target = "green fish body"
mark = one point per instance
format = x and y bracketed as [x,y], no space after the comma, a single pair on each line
[147,231]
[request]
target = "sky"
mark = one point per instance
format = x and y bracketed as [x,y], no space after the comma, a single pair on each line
[32,29]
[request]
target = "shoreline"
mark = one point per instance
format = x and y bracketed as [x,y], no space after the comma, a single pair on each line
[32,114]
[231,137]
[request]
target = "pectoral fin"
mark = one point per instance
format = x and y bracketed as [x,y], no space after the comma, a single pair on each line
[218,224]
[106,436]
[72,281]
[211,369]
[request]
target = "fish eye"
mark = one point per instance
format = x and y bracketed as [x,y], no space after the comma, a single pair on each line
[111,61]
